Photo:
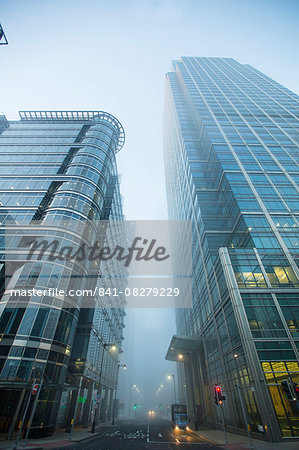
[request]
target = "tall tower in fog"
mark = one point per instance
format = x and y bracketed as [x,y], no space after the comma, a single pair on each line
[231,167]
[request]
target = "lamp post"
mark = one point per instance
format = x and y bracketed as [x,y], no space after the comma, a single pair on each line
[132,386]
[114,403]
[113,348]
[174,390]
[164,398]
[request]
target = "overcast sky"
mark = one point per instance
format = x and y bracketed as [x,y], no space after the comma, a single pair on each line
[113,56]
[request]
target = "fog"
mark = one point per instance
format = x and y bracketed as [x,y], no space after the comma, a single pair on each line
[147,337]
[113,56]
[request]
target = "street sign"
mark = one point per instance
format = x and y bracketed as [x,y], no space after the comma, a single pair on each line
[34,389]
[82,400]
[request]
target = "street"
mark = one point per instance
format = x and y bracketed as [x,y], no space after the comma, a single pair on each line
[141,434]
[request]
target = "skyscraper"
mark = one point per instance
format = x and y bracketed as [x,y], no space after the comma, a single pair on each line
[231,167]
[57,167]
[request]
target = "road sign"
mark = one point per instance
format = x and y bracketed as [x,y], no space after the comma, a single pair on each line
[34,389]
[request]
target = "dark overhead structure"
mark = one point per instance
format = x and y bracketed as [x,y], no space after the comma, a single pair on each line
[3,39]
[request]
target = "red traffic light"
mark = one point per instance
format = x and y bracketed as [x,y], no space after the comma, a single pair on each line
[218,397]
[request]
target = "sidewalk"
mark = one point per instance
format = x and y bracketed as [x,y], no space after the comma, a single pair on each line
[240,442]
[59,439]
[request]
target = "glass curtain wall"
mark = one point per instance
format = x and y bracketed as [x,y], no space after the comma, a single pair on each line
[232,167]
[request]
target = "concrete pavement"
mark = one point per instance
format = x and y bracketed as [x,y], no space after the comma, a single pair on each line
[59,439]
[241,442]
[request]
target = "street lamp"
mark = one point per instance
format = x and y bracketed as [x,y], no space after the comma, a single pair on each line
[162,391]
[124,366]
[113,348]
[132,386]
[169,378]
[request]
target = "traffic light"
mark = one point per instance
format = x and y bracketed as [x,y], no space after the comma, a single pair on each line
[218,397]
[287,389]
[135,406]
[296,388]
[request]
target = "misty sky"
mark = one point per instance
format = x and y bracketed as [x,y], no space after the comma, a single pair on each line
[112,56]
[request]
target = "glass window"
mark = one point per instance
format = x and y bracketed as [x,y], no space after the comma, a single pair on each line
[5,318]
[27,321]
[40,322]
[264,321]
[24,370]
[15,321]
[10,368]
[16,351]
[291,315]
[51,324]
[30,352]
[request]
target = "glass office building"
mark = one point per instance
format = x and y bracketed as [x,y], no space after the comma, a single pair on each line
[57,167]
[232,168]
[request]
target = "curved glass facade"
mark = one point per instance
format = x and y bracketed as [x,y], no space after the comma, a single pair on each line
[59,168]
[231,166]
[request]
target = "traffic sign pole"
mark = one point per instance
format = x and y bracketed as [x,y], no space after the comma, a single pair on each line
[24,416]
[244,416]
[224,425]
[36,390]
[76,406]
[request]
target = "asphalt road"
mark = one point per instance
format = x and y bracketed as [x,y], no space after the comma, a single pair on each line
[153,434]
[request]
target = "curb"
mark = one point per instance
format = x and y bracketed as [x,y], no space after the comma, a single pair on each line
[88,438]
[210,441]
